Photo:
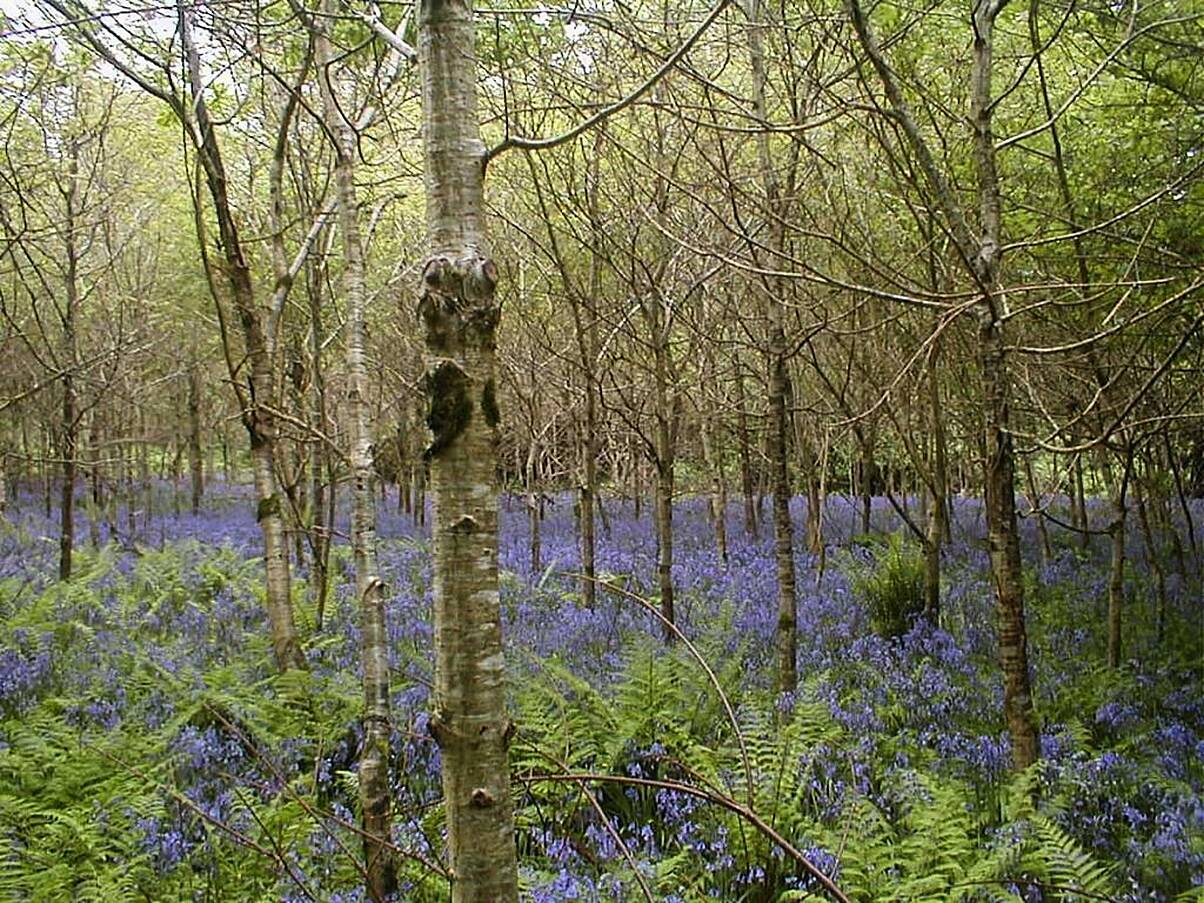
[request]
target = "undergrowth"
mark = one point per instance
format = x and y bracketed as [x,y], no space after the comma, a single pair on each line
[148,751]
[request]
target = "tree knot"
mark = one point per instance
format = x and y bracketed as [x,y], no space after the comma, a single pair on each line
[466,525]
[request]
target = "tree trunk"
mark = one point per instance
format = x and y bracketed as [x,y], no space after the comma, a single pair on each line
[745,448]
[46,468]
[637,477]
[814,529]
[586,498]
[777,440]
[712,457]
[865,471]
[1153,558]
[460,315]
[1184,508]
[587,347]
[1000,481]
[374,757]
[196,458]
[257,415]
[68,423]
[1038,506]
[665,458]
[938,511]
[420,494]
[146,485]
[1116,570]
[786,641]
[534,509]
[717,503]
[981,252]
[321,467]
[131,493]
[1003,540]
[95,503]
[1079,500]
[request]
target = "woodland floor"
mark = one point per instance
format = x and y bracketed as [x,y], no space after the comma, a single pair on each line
[149,752]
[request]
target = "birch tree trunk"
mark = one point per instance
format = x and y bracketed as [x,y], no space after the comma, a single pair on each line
[374,757]
[321,476]
[460,316]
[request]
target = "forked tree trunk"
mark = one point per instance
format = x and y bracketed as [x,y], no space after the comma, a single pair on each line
[374,757]
[981,252]
[460,315]
[257,415]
